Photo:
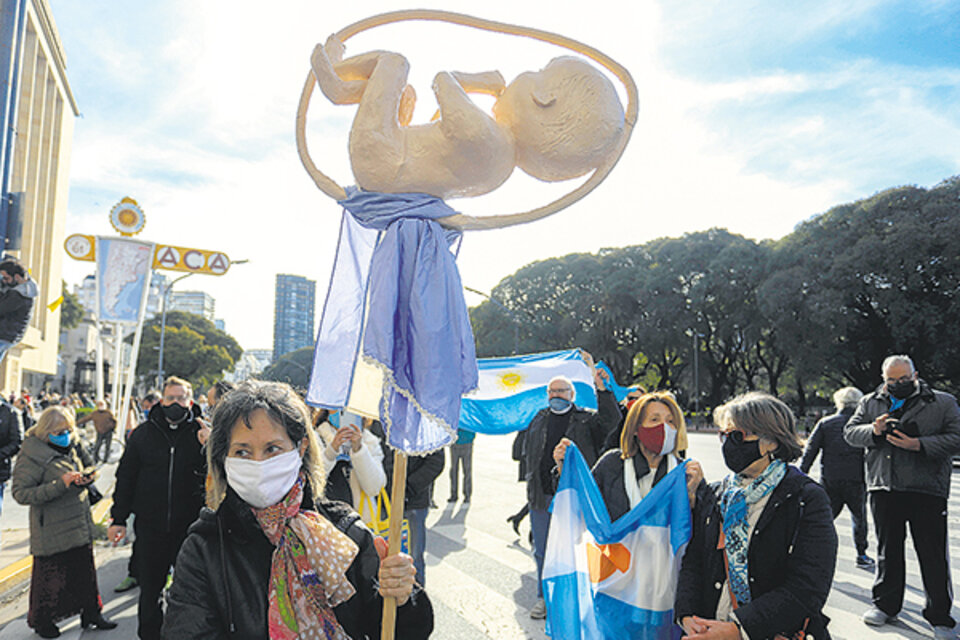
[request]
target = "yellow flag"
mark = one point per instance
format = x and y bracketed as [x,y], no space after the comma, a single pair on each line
[56,303]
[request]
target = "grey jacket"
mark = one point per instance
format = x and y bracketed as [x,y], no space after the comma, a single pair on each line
[59,516]
[933,417]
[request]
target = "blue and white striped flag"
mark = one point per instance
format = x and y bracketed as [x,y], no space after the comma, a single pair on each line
[614,580]
[511,390]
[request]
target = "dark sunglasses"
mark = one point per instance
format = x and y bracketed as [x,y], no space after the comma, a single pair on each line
[736,435]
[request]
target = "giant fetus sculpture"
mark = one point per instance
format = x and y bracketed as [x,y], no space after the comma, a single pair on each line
[555,124]
[395,339]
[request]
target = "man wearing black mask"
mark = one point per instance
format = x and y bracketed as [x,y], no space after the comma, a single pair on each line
[910,432]
[160,480]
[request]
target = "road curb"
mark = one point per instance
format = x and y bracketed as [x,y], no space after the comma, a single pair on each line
[17,572]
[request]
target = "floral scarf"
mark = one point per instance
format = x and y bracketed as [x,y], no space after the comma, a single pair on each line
[736,526]
[308,571]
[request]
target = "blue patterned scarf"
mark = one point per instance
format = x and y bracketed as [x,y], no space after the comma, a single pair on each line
[736,526]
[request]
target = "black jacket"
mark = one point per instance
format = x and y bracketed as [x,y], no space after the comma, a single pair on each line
[16,307]
[11,437]
[421,472]
[587,429]
[223,571]
[608,472]
[161,475]
[840,462]
[792,555]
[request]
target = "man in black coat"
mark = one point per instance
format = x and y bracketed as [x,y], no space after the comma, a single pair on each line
[841,468]
[18,292]
[561,419]
[11,436]
[160,479]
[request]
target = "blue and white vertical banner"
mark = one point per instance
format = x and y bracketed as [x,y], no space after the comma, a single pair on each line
[604,580]
[123,278]
[511,390]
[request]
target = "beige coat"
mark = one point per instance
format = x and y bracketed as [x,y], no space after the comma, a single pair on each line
[59,516]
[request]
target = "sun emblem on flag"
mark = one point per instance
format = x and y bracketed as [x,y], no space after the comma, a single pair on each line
[603,560]
[509,381]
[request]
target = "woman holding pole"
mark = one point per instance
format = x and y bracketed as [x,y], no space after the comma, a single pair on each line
[275,559]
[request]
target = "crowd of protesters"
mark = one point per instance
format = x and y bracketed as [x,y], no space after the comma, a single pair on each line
[214,491]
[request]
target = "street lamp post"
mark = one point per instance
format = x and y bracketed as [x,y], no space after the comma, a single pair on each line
[516,320]
[696,373]
[163,326]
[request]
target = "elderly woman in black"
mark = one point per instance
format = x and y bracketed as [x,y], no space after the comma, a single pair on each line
[761,561]
[275,559]
[52,475]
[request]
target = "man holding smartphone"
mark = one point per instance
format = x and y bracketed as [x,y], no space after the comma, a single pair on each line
[910,432]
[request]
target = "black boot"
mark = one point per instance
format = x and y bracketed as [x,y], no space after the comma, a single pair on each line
[48,630]
[96,620]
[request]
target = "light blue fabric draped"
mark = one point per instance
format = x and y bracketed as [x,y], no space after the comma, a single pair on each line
[395,299]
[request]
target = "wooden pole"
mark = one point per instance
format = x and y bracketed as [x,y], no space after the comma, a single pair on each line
[388,627]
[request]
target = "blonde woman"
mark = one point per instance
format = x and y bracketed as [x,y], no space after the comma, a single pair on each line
[51,475]
[653,441]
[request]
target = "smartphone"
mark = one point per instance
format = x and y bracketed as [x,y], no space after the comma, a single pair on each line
[892,423]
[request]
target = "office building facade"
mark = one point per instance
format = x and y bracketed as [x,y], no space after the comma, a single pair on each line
[37,114]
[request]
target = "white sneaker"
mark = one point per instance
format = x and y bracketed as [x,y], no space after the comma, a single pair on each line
[539,610]
[877,618]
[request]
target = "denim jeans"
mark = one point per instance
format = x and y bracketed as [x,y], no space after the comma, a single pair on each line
[540,524]
[417,519]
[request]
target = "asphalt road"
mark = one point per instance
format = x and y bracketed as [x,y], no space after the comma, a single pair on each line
[480,576]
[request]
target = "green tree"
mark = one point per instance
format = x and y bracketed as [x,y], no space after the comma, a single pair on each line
[880,276]
[292,368]
[193,349]
[71,311]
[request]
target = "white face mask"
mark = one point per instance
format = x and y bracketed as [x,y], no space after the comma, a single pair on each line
[669,439]
[263,483]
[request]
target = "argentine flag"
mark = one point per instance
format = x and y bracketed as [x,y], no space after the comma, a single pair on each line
[511,390]
[614,580]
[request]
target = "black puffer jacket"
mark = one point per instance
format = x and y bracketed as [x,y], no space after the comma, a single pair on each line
[587,429]
[161,475]
[839,461]
[16,309]
[11,437]
[223,571]
[792,555]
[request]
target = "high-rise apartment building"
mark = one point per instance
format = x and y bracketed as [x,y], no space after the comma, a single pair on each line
[295,299]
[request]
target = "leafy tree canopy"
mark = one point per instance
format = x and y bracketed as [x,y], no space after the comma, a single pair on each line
[71,311]
[292,368]
[820,308]
[193,349]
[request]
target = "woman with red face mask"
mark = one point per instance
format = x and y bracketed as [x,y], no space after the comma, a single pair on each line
[653,441]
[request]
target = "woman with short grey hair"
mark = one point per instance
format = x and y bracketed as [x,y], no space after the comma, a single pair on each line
[761,560]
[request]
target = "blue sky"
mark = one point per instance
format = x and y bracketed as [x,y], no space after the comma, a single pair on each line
[753,116]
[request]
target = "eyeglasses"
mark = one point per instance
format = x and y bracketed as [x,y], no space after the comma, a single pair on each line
[181,399]
[900,380]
